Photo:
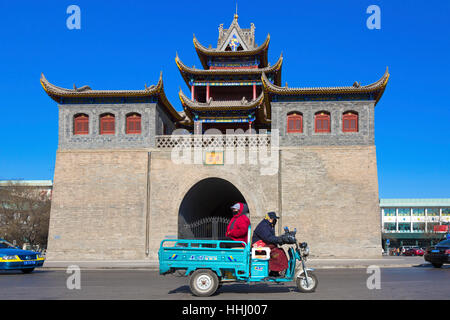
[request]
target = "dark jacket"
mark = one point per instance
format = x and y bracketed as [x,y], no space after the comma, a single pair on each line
[265,232]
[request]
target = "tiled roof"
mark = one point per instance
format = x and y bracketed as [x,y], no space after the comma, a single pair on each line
[221,105]
[204,52]
[377,88]
[86,91]
[216,52]
[258,103]
[185,70]
[56,93]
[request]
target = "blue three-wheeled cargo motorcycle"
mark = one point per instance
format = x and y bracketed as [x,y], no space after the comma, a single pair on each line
[210,263]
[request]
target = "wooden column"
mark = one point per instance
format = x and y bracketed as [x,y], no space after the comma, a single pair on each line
[254,92]
[197,127]
[207,92]
[192,92]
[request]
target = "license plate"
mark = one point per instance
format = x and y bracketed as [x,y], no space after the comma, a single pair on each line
[29,262]
[435,251]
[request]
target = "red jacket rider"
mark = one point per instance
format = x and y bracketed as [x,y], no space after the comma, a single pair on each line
[238,227]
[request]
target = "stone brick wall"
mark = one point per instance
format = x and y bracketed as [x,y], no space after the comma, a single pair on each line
[163,120]
[98,205]
[330,194]
[365,135]
[152,118]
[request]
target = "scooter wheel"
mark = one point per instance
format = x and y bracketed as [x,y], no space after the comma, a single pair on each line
[305,287]
[203,283]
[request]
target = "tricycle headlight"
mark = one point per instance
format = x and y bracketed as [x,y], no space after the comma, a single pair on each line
[306,251]
[9,257]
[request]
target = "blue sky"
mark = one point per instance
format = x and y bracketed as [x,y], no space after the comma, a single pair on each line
[125,44]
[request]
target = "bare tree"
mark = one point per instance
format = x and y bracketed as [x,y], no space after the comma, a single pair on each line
[24,213]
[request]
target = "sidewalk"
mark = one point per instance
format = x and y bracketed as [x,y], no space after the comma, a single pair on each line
[384,262]
[104,264]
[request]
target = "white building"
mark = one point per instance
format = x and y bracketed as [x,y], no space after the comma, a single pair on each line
[414,221]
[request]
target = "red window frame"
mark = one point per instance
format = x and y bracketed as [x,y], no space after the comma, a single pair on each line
[81,124]
[322,122]
[294,123]
[350,122]
[134,124]
[107,124]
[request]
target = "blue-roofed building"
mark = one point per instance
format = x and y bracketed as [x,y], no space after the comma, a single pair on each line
[415,222]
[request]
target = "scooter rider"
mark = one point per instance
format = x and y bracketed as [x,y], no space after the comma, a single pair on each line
[264,235]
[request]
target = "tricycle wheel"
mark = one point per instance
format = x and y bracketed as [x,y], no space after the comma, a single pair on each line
[307,287]
[203,282]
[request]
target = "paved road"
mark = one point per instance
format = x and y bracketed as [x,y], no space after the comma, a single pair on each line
[422,282]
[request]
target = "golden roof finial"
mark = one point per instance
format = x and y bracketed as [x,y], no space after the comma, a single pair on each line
[236,15]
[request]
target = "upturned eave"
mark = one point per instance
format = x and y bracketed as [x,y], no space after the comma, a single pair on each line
[59,93]
[377,88]
[190,72]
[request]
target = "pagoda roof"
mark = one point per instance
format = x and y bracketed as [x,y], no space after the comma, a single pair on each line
[377,88]
[57,93]
[242,104]
[230,105]
[185,70]
[204,52]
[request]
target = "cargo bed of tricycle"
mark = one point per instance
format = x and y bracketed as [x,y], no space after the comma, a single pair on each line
[226,258]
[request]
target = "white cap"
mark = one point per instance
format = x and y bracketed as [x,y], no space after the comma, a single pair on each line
[237,206]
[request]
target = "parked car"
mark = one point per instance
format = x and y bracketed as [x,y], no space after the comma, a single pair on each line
[13,258]
[438,254]
[403,249]
[415,251]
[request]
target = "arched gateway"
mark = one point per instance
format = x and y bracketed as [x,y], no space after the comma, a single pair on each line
[205,209]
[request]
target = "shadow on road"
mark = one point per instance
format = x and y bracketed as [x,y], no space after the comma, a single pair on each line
[430,266]
[182,289]
[18,272]
[257,288]
[237,288]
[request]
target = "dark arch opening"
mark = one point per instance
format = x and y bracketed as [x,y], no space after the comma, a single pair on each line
[210,197]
